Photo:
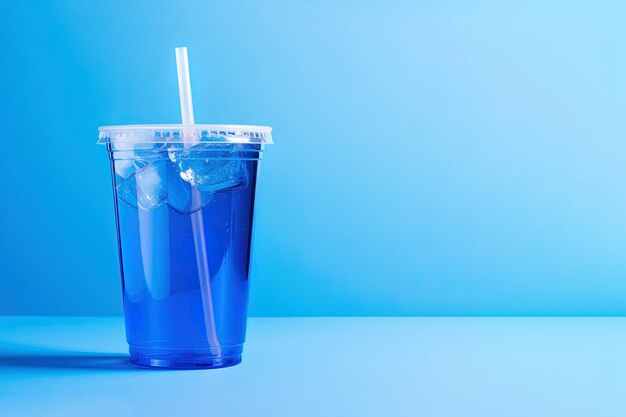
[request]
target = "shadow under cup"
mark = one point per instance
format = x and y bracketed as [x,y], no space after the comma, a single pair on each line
[184,202]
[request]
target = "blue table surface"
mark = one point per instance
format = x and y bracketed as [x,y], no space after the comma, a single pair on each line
[75,366]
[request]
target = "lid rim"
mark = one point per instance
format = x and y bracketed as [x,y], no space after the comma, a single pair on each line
[189,134]
[196,126]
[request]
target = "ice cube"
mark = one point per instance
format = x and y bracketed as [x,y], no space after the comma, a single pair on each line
[211,168]
[145,188]
[183,197]
[127,167]
[131,157]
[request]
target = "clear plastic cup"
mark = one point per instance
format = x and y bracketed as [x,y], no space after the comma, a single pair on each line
[184,205]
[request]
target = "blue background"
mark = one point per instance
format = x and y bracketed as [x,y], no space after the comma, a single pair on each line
[457,158]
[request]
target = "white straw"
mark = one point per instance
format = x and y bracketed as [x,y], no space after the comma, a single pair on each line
[197,223]
[184,85]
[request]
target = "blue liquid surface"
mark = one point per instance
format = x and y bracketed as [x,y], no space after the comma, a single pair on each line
[174,318]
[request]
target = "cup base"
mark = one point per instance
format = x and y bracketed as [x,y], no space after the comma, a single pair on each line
[183,359]
[178,363]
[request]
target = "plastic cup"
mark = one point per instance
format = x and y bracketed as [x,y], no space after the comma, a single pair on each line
[184,206]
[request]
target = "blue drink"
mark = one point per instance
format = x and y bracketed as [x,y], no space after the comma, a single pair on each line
[184,213]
